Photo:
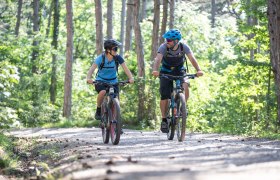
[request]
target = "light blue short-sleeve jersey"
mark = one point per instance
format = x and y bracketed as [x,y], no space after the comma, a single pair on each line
[109,71]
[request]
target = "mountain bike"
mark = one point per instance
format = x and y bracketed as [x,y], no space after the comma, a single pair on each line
[111,124]
[177,112]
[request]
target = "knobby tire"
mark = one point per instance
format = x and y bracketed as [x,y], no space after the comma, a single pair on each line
[105,127]
[115,119]
[182,117]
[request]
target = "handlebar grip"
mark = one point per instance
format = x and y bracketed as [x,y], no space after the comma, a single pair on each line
[192,76]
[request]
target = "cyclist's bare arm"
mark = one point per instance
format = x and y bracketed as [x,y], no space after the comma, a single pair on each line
[157,64]
[195,64]
[90,72]
[128,73]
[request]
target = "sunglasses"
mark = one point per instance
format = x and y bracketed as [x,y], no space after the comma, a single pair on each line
[115,49]
[169,40]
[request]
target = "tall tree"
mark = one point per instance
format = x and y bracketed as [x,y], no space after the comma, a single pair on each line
[99,26]
[54,55]
[171,15]
[140,61]
[251,22]
[274,32]
[18,17]
[164,20]
[49,18]
[129,25]
[69,59]
[35,51]
[151,96]
[109,19]
[155,33]
[122,27]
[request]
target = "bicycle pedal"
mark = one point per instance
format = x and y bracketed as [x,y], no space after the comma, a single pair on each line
[101,125]
[114,121]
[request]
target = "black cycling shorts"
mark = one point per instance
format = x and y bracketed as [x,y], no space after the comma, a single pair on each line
[166,87]
[100,87]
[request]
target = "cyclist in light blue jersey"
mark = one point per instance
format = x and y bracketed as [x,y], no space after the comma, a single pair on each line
[107,64]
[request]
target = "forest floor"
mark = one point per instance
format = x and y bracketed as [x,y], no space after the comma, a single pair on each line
[79,153]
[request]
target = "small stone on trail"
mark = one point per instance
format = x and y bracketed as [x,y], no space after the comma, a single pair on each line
[109,171]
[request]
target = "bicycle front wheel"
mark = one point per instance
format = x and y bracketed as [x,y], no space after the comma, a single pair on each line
[115,120]
[181,117]
[104,124]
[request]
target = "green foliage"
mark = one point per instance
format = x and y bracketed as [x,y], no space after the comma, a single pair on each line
[241,102]
[8,78]
[6,144]
[196,30]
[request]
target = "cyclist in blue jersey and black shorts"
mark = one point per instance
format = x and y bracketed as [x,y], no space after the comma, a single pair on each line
[171,56]
[107,65]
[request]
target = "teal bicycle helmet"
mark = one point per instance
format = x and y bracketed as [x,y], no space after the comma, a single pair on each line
[173,34]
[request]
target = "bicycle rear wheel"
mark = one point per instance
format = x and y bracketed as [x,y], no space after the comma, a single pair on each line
[115,121]
[181,117]
[104,124]
[171,122]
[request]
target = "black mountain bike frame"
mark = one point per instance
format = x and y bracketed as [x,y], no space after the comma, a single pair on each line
[177,113]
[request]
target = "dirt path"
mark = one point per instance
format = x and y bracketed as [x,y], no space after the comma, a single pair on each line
[79,153]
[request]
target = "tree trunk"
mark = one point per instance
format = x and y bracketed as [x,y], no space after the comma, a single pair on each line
[49,19]
[69,59]
[54,55]
[122,27]
[35,51]
[267,122]
[140,62]
[274,32]
[251,21]
[155,33]
[164,20]
[129,25]
[99,26]
[171,16]
[151,96]
[110,19]
[143,10]
[18,17]
[213,13]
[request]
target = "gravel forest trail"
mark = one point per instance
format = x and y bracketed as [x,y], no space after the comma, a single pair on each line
[79,153]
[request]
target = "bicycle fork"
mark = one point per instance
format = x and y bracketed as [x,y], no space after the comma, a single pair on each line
[173,110]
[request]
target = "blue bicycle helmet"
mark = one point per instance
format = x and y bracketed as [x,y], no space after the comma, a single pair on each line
[173,34]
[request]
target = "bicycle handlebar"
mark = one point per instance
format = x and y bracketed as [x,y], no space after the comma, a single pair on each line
[190,76]
[111,84]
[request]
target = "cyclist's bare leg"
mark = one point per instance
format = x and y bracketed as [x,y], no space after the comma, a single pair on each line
[187,92]
[163,107]
[100,97]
